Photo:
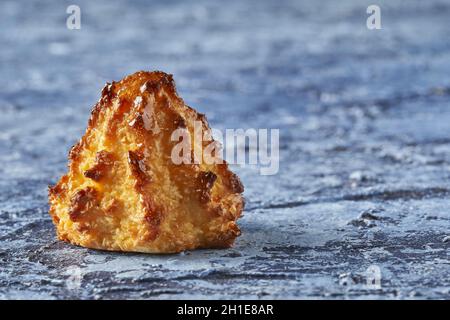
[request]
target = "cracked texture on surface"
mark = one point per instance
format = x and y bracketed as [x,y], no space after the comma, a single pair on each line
[364,144]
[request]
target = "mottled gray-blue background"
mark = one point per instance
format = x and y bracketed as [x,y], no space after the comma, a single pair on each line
[365,143]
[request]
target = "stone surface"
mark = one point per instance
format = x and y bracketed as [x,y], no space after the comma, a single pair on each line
[365,143]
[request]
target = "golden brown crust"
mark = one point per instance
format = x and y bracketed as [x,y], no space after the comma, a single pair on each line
[123,192]
[205,183]
[103,163]
[81,202]
[139,169]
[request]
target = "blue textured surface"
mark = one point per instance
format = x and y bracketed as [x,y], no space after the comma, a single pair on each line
[365,143]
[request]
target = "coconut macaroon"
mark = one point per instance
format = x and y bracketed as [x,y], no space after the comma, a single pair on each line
[125,191]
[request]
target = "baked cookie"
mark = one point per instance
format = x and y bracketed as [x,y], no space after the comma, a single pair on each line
[124,191]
